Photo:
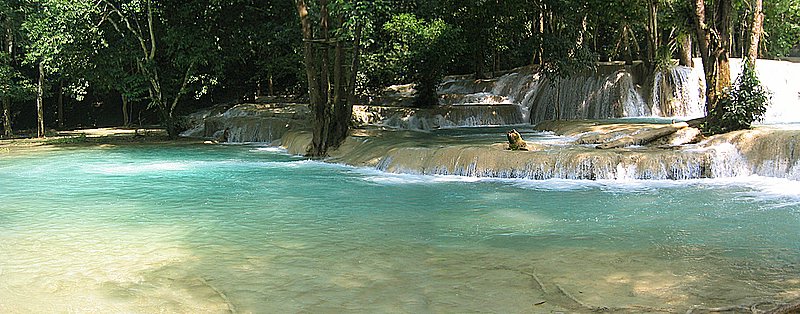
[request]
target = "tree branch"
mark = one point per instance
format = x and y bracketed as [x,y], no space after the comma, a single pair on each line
[136,32]
[151,29]
[183,87]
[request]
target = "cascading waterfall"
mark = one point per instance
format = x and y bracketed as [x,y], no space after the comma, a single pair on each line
[252,122]
[615,91]
[525,95]
[578,97]
[633,104]
[437,117]
[769,153]
[678,92]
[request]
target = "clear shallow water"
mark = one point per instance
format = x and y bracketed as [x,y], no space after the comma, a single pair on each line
[247,229]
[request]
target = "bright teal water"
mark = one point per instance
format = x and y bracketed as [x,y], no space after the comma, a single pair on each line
[207,228]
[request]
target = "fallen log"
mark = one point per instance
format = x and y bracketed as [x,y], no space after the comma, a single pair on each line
[643,137]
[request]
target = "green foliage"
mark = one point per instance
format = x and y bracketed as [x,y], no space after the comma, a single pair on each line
[421,51]
[746,103]
[564,61]
[13,84]
[663,61]
[782,27]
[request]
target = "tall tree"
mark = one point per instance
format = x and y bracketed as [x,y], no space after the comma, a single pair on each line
[329,97]
[713,36]
[14,86]
[167,57]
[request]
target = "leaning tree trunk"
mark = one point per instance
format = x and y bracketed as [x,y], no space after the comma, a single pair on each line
[626,45]
[756,29]
[40,102]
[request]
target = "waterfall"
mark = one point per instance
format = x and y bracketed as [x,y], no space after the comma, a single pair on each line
[523,96]
[678,92]
[251,122]
[437,117]
[614,91]
[769,153]
[633,104]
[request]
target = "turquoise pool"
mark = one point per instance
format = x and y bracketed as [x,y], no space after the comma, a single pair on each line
[216,228]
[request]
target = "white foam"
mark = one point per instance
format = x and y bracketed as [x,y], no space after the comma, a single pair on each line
[380,177]
[271,149]
[129,169]
[764,188]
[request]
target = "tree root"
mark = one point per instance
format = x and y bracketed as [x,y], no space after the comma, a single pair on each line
[529,274]
[576,300]
[228,303]
[570,301]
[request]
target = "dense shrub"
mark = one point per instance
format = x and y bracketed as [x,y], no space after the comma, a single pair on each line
[745,103]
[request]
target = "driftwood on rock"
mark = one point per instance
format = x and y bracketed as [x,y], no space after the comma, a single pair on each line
[515,141]
[643,137]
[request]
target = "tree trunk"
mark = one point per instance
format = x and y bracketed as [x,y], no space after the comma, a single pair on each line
[271,86]
[326,53]
[60,103]
[685,51]
[339,126]
[316,101]
[7,130]
[724,27]
[40,102]
[9,49]
[126,119]
[652,34]
[331,104]
[627,45]
[538,55]
[713,41]
[479,66]
[756,29]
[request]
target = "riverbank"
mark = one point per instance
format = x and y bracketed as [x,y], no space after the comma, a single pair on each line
[89,137]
